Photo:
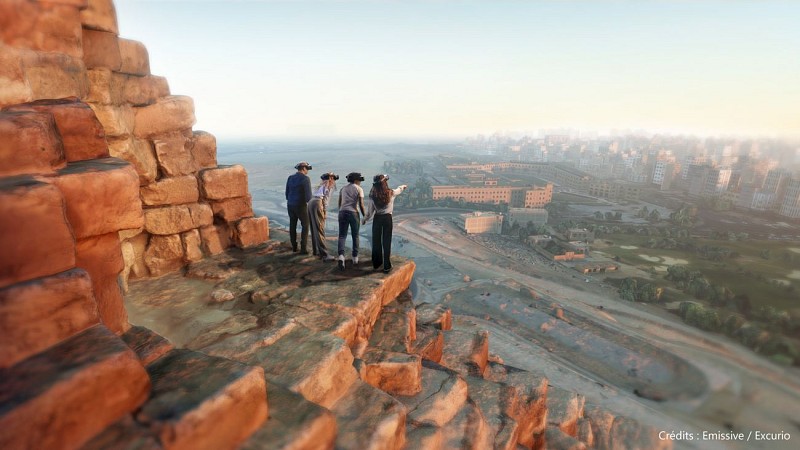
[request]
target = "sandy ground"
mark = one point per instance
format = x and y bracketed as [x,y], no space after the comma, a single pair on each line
[745,392]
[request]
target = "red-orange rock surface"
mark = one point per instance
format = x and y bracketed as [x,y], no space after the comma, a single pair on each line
[102,258]
[29,143]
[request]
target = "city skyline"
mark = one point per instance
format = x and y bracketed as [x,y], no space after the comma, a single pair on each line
[446,69]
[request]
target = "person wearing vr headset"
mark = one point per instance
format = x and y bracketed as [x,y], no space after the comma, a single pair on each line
[381,208]
[351,201]
[298,194]
[317,210]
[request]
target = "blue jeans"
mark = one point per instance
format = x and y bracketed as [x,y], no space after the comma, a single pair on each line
[348,219]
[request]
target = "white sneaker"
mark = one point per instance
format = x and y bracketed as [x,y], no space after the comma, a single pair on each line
[341,262]
[355,260]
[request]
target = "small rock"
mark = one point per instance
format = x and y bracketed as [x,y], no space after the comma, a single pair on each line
[221,295]
[467,279]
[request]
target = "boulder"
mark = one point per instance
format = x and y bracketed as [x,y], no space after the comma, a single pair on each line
[101,50]
[100,15]
[134,57]
[43,395]
[429,343]
[41,26]
[250,232]
[391,372]
[139,153]
[117,121]
[233,209]
[466,352]
[171,191]
[177,218]
[369,419]
[203,147]
[101,195]
[102,258]
[201,401]
[438,316]
[39,313]
[173,158]
[224,182]
[191,246]
[168,114]
[148,345]
[82,135]
[29,144]
[54,75]
[164,254]
[35,236]
[216,238]
[294,424]
[443,394]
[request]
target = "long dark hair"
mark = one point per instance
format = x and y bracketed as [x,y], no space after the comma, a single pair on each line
[380,193]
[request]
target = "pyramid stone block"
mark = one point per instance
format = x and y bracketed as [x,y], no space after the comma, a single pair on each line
[29,144]
[101,50]
[135,58]
[168,114]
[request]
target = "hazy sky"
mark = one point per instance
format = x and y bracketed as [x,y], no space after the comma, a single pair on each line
[457,68]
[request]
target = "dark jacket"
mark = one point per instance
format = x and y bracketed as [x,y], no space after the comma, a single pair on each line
[298,189]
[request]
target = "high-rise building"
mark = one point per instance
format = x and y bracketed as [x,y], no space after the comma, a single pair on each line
[791,200]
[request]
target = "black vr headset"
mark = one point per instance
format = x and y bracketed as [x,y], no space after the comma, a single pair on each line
[328,176]
[380,177]
[353,176]
[302,164]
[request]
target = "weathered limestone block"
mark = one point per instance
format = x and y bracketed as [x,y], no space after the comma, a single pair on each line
[191,246]
[294,424]
[171,191]
[177,218]
[203,147]
[100,15]
[54,75]
[146,90]
[173,157]
[148,345]
[117,121]
[41,26]
[101,50]
[239,338]
[369,419]
[102,258]
[438,316]
[233,209]
[35,238]
[466,352]
[29,143]
[164,254]
[42,312]
[82,135]
[601,421]
[135,59]
[139,153]
[168,114]
[629,433]
[497,402]
[125,434]
[105,87]
[585,433]
[391,372]
[224,182]
[468,430]
[43,395]
[235,324]
[201,401]
[250,232]
[425,436]
[530,409]
[429,343]
[15,86]
[443,395]
[564,408]
[316,365]
[216,238]
[336,322]
[396,328]
[555,438]
[102,196]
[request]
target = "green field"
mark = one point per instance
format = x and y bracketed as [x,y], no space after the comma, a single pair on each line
[749,273]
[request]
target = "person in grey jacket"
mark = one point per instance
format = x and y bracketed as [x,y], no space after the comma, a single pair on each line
[381,208]
[298,194]
[351,201]
[317,211]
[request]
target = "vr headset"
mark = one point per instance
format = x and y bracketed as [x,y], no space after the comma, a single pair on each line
[302,164]
[328,176]
[353,176]
[380,177]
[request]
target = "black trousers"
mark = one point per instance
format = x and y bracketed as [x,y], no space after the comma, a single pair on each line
[382,241]
[298,212]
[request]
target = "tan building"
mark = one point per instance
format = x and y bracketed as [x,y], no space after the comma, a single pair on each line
[528,197]
[481,222]
[614,189]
